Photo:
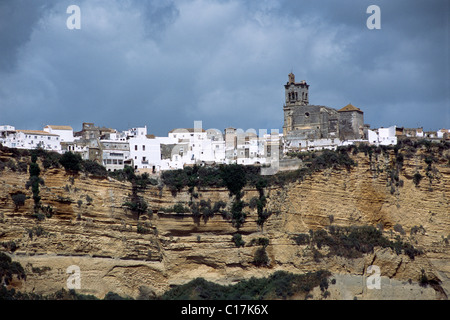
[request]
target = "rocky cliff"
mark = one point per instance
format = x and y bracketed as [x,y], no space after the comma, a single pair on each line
[116,250]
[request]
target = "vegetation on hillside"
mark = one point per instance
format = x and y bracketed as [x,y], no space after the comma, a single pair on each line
[279,285]
[352,242]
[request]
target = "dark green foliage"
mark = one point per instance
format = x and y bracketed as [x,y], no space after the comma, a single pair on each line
[234,178]
[34,169]
[279,285]
[71,162]
[11,246]
[264,242]
[302,239]
[22,166]
[137,205]
[35,181]
[423,279]
[94,168]
[398,228]
[237,215]
[11,164]
[142,228]
[328,159]
[177,208]
[261,259]
[175,179]
[417,178]
[19,199]
[36,231]
[237,239]
[208,177]
[56,296]
[353,242]
[51,160]
[114,296]
[127,174]
[8,269]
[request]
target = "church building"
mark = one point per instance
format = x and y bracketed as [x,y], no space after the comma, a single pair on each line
[303,121]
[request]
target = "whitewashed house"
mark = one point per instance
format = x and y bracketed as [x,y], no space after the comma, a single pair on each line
[383,136]
[114,154]
[7,136]
[145,150]
[33,139]
[65,132]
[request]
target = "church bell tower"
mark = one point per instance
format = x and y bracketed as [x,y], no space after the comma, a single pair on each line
[296,95]
[296,92]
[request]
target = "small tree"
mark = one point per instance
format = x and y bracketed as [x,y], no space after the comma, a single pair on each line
[19,199]
[71,161]
[417,178]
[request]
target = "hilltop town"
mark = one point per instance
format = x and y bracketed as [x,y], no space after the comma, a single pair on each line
[306,128]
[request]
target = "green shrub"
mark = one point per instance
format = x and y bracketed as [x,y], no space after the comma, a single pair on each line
[237,239]
[177,208]
[142,228]
[279,285]
[398,228]
[417,178]
[234,177]
[94,168]
[138,206]
[302,239]
[51,160]
[353,242]
[237,215]
[261,258]
[71,162]
[260,242]
[9,268]
[19,199]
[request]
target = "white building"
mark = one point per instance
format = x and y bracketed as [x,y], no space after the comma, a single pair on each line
[33,139]
[65,132]
[383,136]
[7,133]
[145,150]
[114,154]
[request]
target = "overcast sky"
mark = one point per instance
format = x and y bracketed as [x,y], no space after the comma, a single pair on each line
[165,64]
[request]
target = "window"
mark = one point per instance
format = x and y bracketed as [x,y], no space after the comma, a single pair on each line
[143,159]
[143,148]
[135,148]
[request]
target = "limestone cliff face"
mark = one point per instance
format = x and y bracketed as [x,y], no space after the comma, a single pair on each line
[91,228]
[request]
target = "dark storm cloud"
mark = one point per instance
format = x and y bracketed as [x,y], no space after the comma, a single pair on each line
[17,19]
[165,64]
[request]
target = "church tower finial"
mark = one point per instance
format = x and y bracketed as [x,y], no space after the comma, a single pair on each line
[291,78]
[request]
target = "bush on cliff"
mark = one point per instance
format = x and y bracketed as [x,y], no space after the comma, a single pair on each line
[71,162]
